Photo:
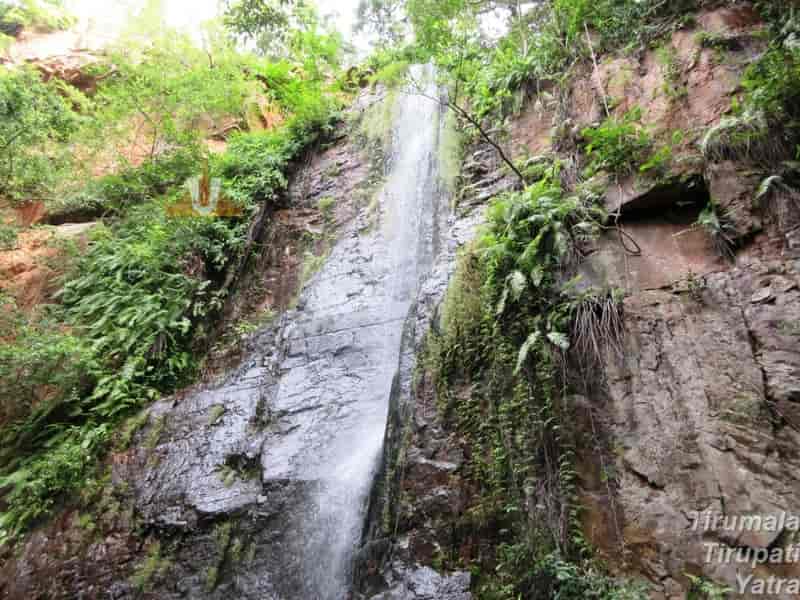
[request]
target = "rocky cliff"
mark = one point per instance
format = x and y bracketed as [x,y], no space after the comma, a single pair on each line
[696,413]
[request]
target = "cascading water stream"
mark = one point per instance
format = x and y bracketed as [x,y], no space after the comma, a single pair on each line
[374,277]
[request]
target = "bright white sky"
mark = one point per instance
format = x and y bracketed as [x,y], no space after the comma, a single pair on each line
[109,15]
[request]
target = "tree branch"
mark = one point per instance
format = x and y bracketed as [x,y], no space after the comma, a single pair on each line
[462,112]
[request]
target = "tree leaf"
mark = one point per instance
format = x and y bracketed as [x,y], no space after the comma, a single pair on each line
[559,339]
[525,350]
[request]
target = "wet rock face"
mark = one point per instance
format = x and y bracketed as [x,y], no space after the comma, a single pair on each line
[225,457]
[424,583]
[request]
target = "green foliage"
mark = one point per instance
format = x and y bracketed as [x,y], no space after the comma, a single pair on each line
[286,29]
[8,236]
[41,367]
[217,412]
[33,119]
[764,126]
[520,574]
[535,233]
[771,83]
[153,568]
[739,137]
[138,294]
[617,145]
[133,311]
[212,576]
[510,69]
[672,66]
[265,23]
[376,122]
[776,12]
[252,168]
[704,589]
[451,153]
[42,15]
[619,22]
[163,92]
[136,312]
[153,178]
[661,159]
[542,42]
[31,489]
[326,206]
[718,225]
[495,360]
[435,23]
[114,194]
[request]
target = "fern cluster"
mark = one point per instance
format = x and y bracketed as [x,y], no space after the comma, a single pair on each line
[496,361]
[135,312]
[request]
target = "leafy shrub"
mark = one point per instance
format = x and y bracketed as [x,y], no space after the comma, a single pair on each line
[309,108]
[33,118]
[619,22]
[617,145]
[153,178]
[8,237]
[44,16]
[535,233]
[254,165]
[520,574]
[764,126]
[32,489]
[776,12]
[574,581]
[162,92]
[252,168]
[772,84]
[40,367]
[509,70]
[114,194]
[385,56]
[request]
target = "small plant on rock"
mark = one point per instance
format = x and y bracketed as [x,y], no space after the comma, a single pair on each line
[8,237]
[717,224]
[739,137]
[154,567]
[617,145]
[704,589]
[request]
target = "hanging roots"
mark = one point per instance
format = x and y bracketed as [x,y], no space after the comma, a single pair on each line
[598,327]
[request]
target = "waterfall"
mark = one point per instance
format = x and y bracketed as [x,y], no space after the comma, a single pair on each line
[343,354]
[290,464]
